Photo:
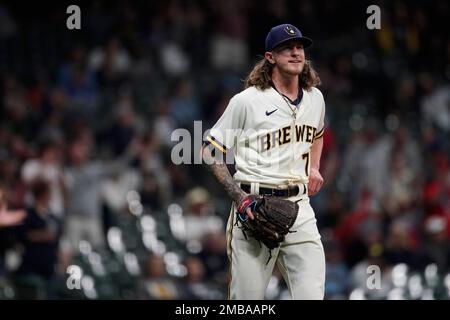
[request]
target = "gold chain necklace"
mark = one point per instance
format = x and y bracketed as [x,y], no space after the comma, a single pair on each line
[294,110]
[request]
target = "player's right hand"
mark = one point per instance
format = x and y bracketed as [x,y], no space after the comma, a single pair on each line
[315,182]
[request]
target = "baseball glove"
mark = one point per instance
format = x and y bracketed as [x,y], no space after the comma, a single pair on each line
[273,218]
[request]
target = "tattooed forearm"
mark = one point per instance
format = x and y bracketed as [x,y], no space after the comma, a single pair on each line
[223,176]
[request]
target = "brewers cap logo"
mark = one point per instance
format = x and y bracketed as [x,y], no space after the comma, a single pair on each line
[289,30]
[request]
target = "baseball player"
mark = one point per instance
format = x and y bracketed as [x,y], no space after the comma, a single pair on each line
[274,128]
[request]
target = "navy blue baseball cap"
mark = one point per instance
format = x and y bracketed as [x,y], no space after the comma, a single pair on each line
[283,33]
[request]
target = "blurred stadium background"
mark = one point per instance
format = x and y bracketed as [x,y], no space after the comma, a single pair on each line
[86,118]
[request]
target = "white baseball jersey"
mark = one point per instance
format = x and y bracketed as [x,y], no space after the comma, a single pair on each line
[270,137]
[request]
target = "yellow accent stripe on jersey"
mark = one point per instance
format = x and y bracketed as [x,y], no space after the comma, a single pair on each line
[319,134]
[216,144]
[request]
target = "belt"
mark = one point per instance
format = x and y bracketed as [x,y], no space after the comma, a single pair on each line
[285,193]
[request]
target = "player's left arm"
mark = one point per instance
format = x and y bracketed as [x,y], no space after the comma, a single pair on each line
[315,178]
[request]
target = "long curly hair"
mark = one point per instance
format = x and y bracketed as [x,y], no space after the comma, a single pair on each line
[261,76]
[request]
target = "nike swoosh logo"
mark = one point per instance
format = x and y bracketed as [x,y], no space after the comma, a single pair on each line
[269,113]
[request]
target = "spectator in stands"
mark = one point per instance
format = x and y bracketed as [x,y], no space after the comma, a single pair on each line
[196,285]
[435,103]
[184,106]
[152,196]
[435,248]
[399,244]
[80,83]
[214,257]
[39,234]
[125,126]
[157,284]
[200,218]
[337,272]
[111,62]
[8,220]
[83,178]
[48,166]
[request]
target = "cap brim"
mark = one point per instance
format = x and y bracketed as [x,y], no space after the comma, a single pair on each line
[307,42]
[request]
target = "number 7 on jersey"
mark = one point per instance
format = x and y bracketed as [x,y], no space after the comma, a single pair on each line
[305,157]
